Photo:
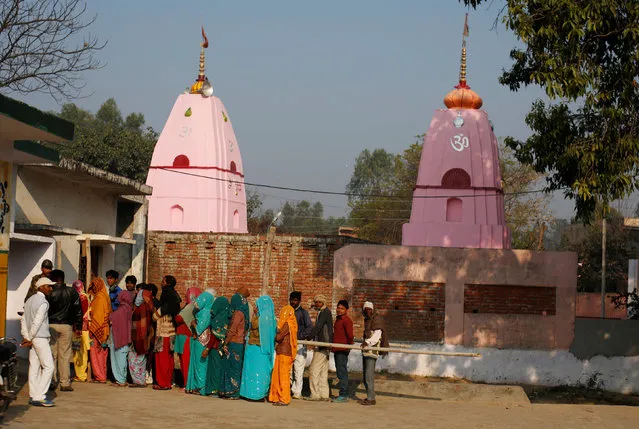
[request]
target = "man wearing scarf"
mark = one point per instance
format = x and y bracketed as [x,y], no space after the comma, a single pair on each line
[168,308]
[323,332]
[374,336]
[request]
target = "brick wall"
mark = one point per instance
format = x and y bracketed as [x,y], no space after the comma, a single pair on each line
[228,261]
[413,311]
[509,299]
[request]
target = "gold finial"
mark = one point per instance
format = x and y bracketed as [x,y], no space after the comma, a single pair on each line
[462,66]
[197,86]
[462,97]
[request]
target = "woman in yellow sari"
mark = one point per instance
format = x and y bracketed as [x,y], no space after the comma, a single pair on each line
[99,329]
[285,349]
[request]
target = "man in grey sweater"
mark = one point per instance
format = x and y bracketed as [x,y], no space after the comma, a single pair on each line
[323,332]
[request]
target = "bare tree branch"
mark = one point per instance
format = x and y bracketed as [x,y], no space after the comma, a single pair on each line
[44,47]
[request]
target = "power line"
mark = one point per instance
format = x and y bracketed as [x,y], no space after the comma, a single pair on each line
[347,194]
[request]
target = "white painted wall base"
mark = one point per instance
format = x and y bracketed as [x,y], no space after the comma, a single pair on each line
[536,367]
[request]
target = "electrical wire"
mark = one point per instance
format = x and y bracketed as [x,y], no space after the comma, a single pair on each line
[348,194]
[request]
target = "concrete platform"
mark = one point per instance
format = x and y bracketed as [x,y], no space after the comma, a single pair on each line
[451,392]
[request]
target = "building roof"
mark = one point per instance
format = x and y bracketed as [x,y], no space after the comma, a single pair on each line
[81,173]
[19,121]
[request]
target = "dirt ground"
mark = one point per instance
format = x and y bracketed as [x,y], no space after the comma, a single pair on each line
[116,407]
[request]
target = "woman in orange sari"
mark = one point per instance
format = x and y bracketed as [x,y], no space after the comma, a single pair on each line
[285,349]
[99,329]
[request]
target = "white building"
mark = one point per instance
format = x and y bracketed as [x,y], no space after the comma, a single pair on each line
[84,219]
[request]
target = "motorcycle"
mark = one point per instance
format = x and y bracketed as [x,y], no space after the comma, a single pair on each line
[8,372]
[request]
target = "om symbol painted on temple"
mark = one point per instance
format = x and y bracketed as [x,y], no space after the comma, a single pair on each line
[184,131]
[459,143]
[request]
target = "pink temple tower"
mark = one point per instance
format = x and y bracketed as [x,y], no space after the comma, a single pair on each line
[458,200]
[196,170]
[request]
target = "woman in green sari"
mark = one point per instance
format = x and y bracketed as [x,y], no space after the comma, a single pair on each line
[220,317]
[234,346]
[196,378]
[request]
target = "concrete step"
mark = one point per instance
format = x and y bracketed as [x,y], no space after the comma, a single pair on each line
[441,391]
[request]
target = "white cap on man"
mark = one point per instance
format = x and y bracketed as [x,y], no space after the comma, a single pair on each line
[44,281]
[368,304]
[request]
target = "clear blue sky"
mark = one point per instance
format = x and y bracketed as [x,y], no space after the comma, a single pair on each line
[308,85]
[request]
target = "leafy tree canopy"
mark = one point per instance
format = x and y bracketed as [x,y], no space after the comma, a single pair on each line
[585,55]
[586,241]
[108,141]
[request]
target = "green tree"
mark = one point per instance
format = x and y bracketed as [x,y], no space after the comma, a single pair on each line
[586,241]
[305,218]
[381,189]
[258,220]
[107,141]
[585,55]
[527,215]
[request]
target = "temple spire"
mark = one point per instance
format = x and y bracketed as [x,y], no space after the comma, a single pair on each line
[201,80]
[462,97]
[462,65]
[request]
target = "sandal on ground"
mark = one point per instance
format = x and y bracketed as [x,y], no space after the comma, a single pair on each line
[139,386]
[99,381]
[367,402]
[158,387]
[116,384]
[280,404]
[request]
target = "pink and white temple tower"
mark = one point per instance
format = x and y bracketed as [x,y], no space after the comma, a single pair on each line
[458,200]
[196,170]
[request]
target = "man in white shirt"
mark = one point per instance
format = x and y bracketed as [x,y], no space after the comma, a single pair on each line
[374,336]
[35,334]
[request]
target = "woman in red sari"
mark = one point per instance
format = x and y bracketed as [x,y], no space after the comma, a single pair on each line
[100,309]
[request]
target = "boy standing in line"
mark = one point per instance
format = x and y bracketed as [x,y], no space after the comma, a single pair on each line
[342,334]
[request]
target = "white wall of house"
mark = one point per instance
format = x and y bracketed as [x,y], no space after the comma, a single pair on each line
[25,258]
[41,199]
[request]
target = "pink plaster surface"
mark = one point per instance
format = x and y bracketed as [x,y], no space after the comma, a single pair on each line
[589,305]
[207,195]
[479,221]
[455,268]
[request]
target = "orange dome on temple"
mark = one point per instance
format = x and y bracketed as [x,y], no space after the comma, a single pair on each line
[462,97]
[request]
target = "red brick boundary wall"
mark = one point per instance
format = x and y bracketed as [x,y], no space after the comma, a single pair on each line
[490,299]
[413,311]
[227,261]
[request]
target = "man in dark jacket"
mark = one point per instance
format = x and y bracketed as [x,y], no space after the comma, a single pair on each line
[323,332]
[65,313]
[304,327]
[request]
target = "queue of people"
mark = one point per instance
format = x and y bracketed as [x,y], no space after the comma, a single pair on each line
[229,349]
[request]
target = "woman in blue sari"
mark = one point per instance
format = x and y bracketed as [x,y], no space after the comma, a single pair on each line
[220,317]
[234,346]
[198,363]
[259,353]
